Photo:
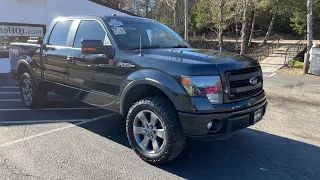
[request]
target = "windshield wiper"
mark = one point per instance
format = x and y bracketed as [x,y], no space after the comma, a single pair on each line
[147,47]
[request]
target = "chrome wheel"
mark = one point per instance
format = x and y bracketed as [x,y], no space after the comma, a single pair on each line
[149,132]
[27,92]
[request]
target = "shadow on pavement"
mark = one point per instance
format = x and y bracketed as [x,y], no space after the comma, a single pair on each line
[250,154]
[112,128]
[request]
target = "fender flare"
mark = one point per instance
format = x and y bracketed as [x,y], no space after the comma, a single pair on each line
[26,61]
[158,80]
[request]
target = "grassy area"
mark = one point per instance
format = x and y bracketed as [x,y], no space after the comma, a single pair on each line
[296,64]
[294,68]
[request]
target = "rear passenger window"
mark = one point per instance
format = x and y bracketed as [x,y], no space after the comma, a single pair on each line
[90,30]
[60,33]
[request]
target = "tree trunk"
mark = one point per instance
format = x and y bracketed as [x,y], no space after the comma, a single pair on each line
[173,6]
[266,38]
[204,36]
[244,30]
[221,24]
[252,27]
[309,25]
[146,6]
[311,66]
[175,20]
[147,12]
[186,23]
[237,34]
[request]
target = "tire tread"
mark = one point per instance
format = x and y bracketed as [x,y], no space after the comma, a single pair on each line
[177,140]
[39,94]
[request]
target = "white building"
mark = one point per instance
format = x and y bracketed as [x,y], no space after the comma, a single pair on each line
[21,19]
[43,11]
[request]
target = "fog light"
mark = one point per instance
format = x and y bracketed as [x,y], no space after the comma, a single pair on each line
[215,125]
[209,125]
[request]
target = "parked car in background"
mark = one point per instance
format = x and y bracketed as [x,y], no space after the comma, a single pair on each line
[4,47]
[4,43]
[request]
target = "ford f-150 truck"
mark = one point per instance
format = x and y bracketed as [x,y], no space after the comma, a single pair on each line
[167,90]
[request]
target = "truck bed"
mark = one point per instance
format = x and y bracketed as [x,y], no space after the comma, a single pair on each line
[18,49]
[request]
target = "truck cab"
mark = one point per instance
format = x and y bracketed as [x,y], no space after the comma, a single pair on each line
[167,90]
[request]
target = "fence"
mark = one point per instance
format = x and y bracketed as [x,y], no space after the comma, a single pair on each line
[255,51]
[295,49]
[261,52]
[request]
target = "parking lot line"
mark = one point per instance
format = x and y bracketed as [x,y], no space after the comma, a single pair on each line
[48,109]
[19,93]
[9,92]
[53,130]
[272,74]
[10,100]
[10,87]
[20,100]
[43,121]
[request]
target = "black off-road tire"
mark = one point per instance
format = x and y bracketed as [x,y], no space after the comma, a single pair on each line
[39,95]
[176,140]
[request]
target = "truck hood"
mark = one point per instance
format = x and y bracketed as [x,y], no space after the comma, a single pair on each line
[222,60]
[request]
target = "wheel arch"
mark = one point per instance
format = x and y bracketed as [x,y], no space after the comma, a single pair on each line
[145,88]
[153,80]
[25,64]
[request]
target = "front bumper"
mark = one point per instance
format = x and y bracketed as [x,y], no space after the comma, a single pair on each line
[195,125]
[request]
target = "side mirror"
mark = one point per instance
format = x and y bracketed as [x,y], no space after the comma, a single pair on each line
[95,47]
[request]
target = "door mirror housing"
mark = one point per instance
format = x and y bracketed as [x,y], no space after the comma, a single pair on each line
[96,47]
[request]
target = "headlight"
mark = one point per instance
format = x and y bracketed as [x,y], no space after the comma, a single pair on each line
[209,86]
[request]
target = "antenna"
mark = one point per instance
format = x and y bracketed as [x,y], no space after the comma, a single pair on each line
[140,45]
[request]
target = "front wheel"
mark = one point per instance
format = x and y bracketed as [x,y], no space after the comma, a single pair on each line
[32,96]
[154,131]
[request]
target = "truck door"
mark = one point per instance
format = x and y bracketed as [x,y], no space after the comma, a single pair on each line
[55,53]
[91,75]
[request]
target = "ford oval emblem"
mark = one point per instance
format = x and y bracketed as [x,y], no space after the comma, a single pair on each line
[253,81]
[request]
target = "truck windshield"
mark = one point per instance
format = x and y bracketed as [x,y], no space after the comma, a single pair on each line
[127,32]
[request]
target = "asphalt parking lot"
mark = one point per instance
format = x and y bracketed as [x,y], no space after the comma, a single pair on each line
[72,140]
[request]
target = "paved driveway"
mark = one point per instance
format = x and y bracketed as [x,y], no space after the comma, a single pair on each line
[71,140]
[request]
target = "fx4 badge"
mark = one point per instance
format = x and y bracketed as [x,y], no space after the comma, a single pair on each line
[128,65]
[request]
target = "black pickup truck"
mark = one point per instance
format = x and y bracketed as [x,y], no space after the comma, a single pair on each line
[167,90]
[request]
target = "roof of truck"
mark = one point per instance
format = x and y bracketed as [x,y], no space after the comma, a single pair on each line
[95,16]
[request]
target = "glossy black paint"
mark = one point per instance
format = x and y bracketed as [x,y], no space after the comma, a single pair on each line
[195,125]
[105,80]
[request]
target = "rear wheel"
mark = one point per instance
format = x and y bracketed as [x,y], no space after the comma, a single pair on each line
[32,96]
[154,131]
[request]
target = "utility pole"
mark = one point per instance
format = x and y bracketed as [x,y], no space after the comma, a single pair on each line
[309,35]
[186,32]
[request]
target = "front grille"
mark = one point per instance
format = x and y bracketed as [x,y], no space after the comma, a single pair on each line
[244,71]
[240,86]
[241,83]
[246,94]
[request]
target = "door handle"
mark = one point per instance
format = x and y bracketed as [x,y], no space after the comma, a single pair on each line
[70,59]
